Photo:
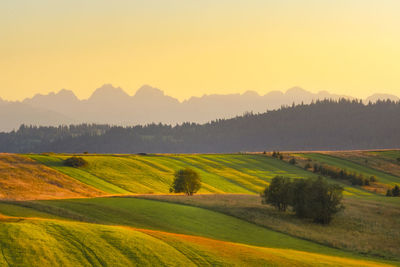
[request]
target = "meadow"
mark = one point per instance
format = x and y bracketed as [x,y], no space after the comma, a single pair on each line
[78,221]
[116,211]
[151,174]
[343,162]
[34,242]
[367,226]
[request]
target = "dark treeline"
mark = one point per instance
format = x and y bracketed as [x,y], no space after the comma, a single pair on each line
[323,125]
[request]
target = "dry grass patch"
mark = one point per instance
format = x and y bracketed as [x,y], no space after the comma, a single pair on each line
[24,179]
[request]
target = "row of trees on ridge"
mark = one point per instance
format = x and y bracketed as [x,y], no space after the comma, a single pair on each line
[342,174]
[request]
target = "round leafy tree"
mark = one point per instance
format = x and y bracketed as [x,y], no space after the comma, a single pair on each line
[186,181]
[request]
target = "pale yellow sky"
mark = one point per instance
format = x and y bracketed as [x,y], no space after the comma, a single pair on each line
[199,47]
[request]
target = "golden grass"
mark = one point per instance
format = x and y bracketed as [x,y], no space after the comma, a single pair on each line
[246,255]
[35,242]
[24,179]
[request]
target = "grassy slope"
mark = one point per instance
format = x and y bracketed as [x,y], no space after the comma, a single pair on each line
[229,173]
[174,218]
[22,178]
[79,174]
[122,174]
[389,154]
[353,167]
[27,242]
[366,226]
[384,161]
[181,219]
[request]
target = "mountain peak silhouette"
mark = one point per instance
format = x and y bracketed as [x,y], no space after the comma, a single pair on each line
[107,92]
[113,105]
[147,91]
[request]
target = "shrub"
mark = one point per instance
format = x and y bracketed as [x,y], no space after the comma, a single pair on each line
[186,181]
[396,191]
[277,193]
[389,193]
[373,179]
[307,166]
[75,162]
[292,161]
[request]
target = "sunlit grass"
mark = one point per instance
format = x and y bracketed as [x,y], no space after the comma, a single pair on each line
[33,242]
[220,173]
[367,225]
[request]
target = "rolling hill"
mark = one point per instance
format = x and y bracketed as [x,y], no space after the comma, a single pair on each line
[33,242]
[23,178]
[136,174]
[114,212]
[130,231]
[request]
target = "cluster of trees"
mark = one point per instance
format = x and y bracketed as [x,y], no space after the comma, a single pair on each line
[322,125]
[277,154]
[75,162]
[186,181]
[309,198]
[337,173]
[394,192]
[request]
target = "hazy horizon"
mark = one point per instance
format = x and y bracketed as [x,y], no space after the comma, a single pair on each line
[131,92]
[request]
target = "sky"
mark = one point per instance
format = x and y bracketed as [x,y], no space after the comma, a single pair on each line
[190,47]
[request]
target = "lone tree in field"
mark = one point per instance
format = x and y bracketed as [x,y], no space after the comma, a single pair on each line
[75,162]
[186,181]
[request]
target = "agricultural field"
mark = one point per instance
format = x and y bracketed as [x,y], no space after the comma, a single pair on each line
[117,211]
[152,174]
[347,162]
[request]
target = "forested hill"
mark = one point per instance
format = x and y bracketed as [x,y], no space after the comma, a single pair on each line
[323,125]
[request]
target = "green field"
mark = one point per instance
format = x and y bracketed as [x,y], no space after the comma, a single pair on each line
[366,225]
[351,166]
[104,230]
[134,174]
[56,243]
[225,225]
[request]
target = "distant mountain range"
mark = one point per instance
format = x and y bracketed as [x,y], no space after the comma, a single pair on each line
[112,105]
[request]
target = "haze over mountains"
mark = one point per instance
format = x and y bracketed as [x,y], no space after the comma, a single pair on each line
[112,105]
